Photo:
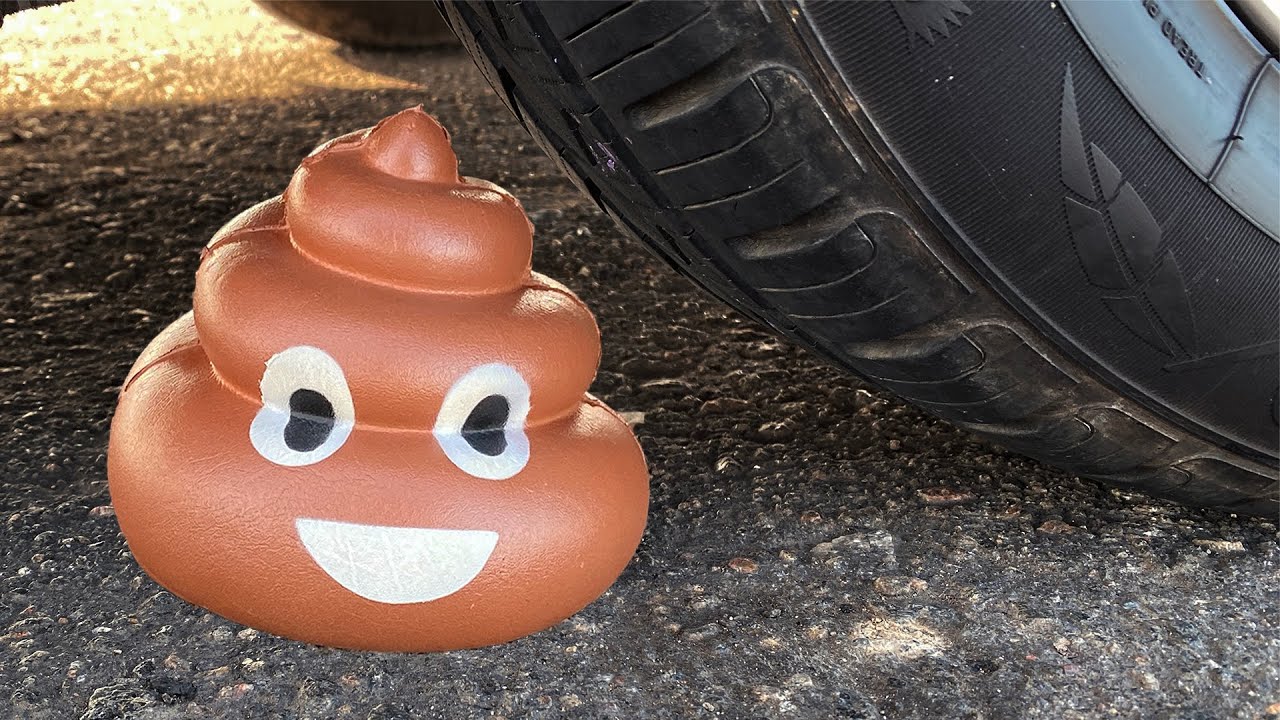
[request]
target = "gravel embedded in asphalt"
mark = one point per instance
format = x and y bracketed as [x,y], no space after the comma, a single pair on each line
[816,549]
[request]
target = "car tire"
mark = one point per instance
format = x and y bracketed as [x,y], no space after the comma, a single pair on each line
[955,201]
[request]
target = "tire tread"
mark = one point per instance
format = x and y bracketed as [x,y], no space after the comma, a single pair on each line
[695,129]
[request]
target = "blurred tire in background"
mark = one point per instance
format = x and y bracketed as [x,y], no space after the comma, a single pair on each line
[9,7]
[369,24]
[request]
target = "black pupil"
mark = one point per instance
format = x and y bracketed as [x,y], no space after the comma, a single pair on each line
[310,420]
[483,429]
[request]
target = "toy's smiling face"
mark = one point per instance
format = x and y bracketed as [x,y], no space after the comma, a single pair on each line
[373,431]
[307,414]
[288,513]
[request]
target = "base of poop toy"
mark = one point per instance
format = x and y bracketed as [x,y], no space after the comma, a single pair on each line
[372,431]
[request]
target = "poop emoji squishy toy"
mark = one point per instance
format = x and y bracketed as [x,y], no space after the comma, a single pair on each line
[373,431]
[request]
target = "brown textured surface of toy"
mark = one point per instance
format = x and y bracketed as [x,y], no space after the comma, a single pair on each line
[373,429]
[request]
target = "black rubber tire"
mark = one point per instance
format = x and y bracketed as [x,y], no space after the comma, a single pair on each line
[9,7]
[713,132]
[373,24]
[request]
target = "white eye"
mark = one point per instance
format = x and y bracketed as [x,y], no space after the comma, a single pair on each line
[481,423]
[306,410]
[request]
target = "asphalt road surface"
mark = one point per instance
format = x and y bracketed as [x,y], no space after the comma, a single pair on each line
[815,548]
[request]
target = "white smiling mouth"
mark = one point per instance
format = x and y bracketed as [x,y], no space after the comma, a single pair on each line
[396,565]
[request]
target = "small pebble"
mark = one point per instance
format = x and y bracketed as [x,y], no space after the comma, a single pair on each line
[944,496]
[774,432]
[899,585]
[727,464]
[235,692]
[1148,681]
[706,632]
[723,406]
[1056,527]
[1224,547]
